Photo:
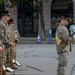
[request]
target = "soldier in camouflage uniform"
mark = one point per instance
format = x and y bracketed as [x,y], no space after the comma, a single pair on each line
[11,37]
[15,39]
[4,35]
[9,51]
[63,45]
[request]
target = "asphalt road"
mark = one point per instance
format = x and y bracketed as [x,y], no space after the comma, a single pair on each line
[41,59]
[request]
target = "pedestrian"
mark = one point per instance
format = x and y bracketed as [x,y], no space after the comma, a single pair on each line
[63,40]
[72,29]
[5,16]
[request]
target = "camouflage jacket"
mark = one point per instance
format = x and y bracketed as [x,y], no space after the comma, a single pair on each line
[1,44]
[63,34]
[4,33]
[16,36]
[10,33]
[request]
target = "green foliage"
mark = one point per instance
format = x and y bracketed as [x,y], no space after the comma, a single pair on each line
[14,1]
[1,1]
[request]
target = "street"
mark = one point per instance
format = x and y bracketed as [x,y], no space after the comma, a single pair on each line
[41,59]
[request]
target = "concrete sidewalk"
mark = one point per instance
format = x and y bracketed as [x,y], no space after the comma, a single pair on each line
[34,41]
[41,59]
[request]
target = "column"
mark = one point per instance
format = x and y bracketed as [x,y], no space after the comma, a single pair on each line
[47,15]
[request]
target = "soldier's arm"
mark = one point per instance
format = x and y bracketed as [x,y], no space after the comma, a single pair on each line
[16,36]
[1,46]
[65,36]
[3,35]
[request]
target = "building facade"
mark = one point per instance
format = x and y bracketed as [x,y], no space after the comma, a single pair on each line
[26,16]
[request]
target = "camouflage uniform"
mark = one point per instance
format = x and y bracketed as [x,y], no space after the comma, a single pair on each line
[63,48]
[9,51]
[16,39]
[4,39]
[12,50]
[1,59]
[13,38]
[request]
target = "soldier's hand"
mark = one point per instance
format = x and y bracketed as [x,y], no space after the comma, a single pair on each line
[1,48]
[12,44]
[18,41]
[66,51]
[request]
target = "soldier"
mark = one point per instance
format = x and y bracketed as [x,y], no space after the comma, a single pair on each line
[9,51]
[63,45]
[4,35]
[15,39]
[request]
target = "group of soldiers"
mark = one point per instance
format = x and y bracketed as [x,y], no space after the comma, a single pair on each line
[63,42]
[10,37]
[8,41]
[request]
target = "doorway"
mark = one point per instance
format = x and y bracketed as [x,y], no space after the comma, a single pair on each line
[27,19]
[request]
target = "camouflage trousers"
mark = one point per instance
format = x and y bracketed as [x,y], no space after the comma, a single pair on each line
[62,63]
[12,54]
[2,62]
[8,58]
[14,49]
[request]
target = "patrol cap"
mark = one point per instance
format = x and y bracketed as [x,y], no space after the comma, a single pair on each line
[11,21]
[5,12]
[66,17]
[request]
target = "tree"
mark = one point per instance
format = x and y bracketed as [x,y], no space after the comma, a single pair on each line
[13,1]
[41,17]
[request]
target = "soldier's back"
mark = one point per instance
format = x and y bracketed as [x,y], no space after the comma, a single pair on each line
[62,31]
